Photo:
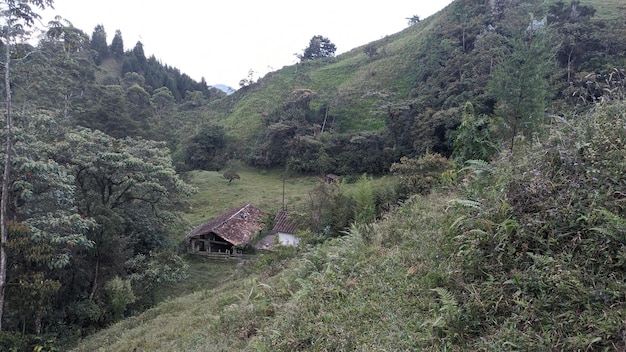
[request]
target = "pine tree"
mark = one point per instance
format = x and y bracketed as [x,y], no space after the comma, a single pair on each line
[99,44]
[117,45]
[521,80]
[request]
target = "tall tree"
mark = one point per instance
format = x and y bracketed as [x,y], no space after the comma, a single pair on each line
[135,60]
[105,108]
[140,107]
[130,188]
[575,31]
[99,44]
[163,101]
[521,79]
[319,47]
[117,45]
[56,73]
[140,55]
[42,200]
[19,17]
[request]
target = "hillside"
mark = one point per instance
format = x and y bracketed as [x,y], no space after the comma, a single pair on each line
[514,244]
[505,260]
[409,86]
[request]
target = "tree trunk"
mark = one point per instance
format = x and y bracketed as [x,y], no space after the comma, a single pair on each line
[5,175]
[94,287]
[38,324]
[325,118]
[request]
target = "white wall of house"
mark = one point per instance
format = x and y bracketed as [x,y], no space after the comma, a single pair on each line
[287,239]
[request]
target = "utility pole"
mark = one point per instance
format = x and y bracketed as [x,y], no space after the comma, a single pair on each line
[284,193]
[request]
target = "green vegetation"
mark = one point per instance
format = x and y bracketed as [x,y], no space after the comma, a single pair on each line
[480,204]
[263,189]
[319,47]
[525,254]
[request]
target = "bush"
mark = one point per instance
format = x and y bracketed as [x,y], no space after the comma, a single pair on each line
[16,342]
[542,256]
[119,294]
[420,175]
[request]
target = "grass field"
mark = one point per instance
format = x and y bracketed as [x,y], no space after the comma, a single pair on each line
[204,274]
[607,9]
[263,189]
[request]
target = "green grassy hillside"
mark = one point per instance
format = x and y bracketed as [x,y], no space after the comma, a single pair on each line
[341,82]
[524,253]
[374,270]
[356,85]
[264,189]
[607,9]
[403,95]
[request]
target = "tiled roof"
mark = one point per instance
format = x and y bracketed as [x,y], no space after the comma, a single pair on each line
[282,224]
[237,225]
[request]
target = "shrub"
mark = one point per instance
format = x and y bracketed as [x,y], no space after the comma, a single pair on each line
[119,294]
[473,140]
[543,253]
[420,175]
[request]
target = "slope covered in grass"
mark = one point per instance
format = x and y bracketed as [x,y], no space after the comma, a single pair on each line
[263,189]
[525,253]
[434,64]
[360,290]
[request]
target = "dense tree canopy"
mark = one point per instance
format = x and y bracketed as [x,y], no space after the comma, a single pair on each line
[92,200]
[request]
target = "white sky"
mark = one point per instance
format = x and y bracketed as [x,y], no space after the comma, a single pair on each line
[222,41]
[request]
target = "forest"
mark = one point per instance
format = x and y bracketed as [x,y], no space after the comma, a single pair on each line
[481,208]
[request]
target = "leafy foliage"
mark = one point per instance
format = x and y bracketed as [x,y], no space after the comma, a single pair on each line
[550,246]
[205,150]
[473,140]
[319,47]
[117,45]
[131,189]
[99,44]
[364,202]
[420,175]
[521,80]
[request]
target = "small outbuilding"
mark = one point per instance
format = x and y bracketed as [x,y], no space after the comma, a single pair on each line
[283,233]
[285,230]
[223,234]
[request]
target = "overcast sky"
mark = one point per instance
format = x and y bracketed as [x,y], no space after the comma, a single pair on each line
[222,41]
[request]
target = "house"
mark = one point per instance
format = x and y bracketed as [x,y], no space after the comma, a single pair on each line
[283,233]
[223,234]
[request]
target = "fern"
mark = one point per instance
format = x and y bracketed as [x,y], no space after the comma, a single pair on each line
[477,167]
[614,227]
[466,203]
[448,302]
[447,314]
